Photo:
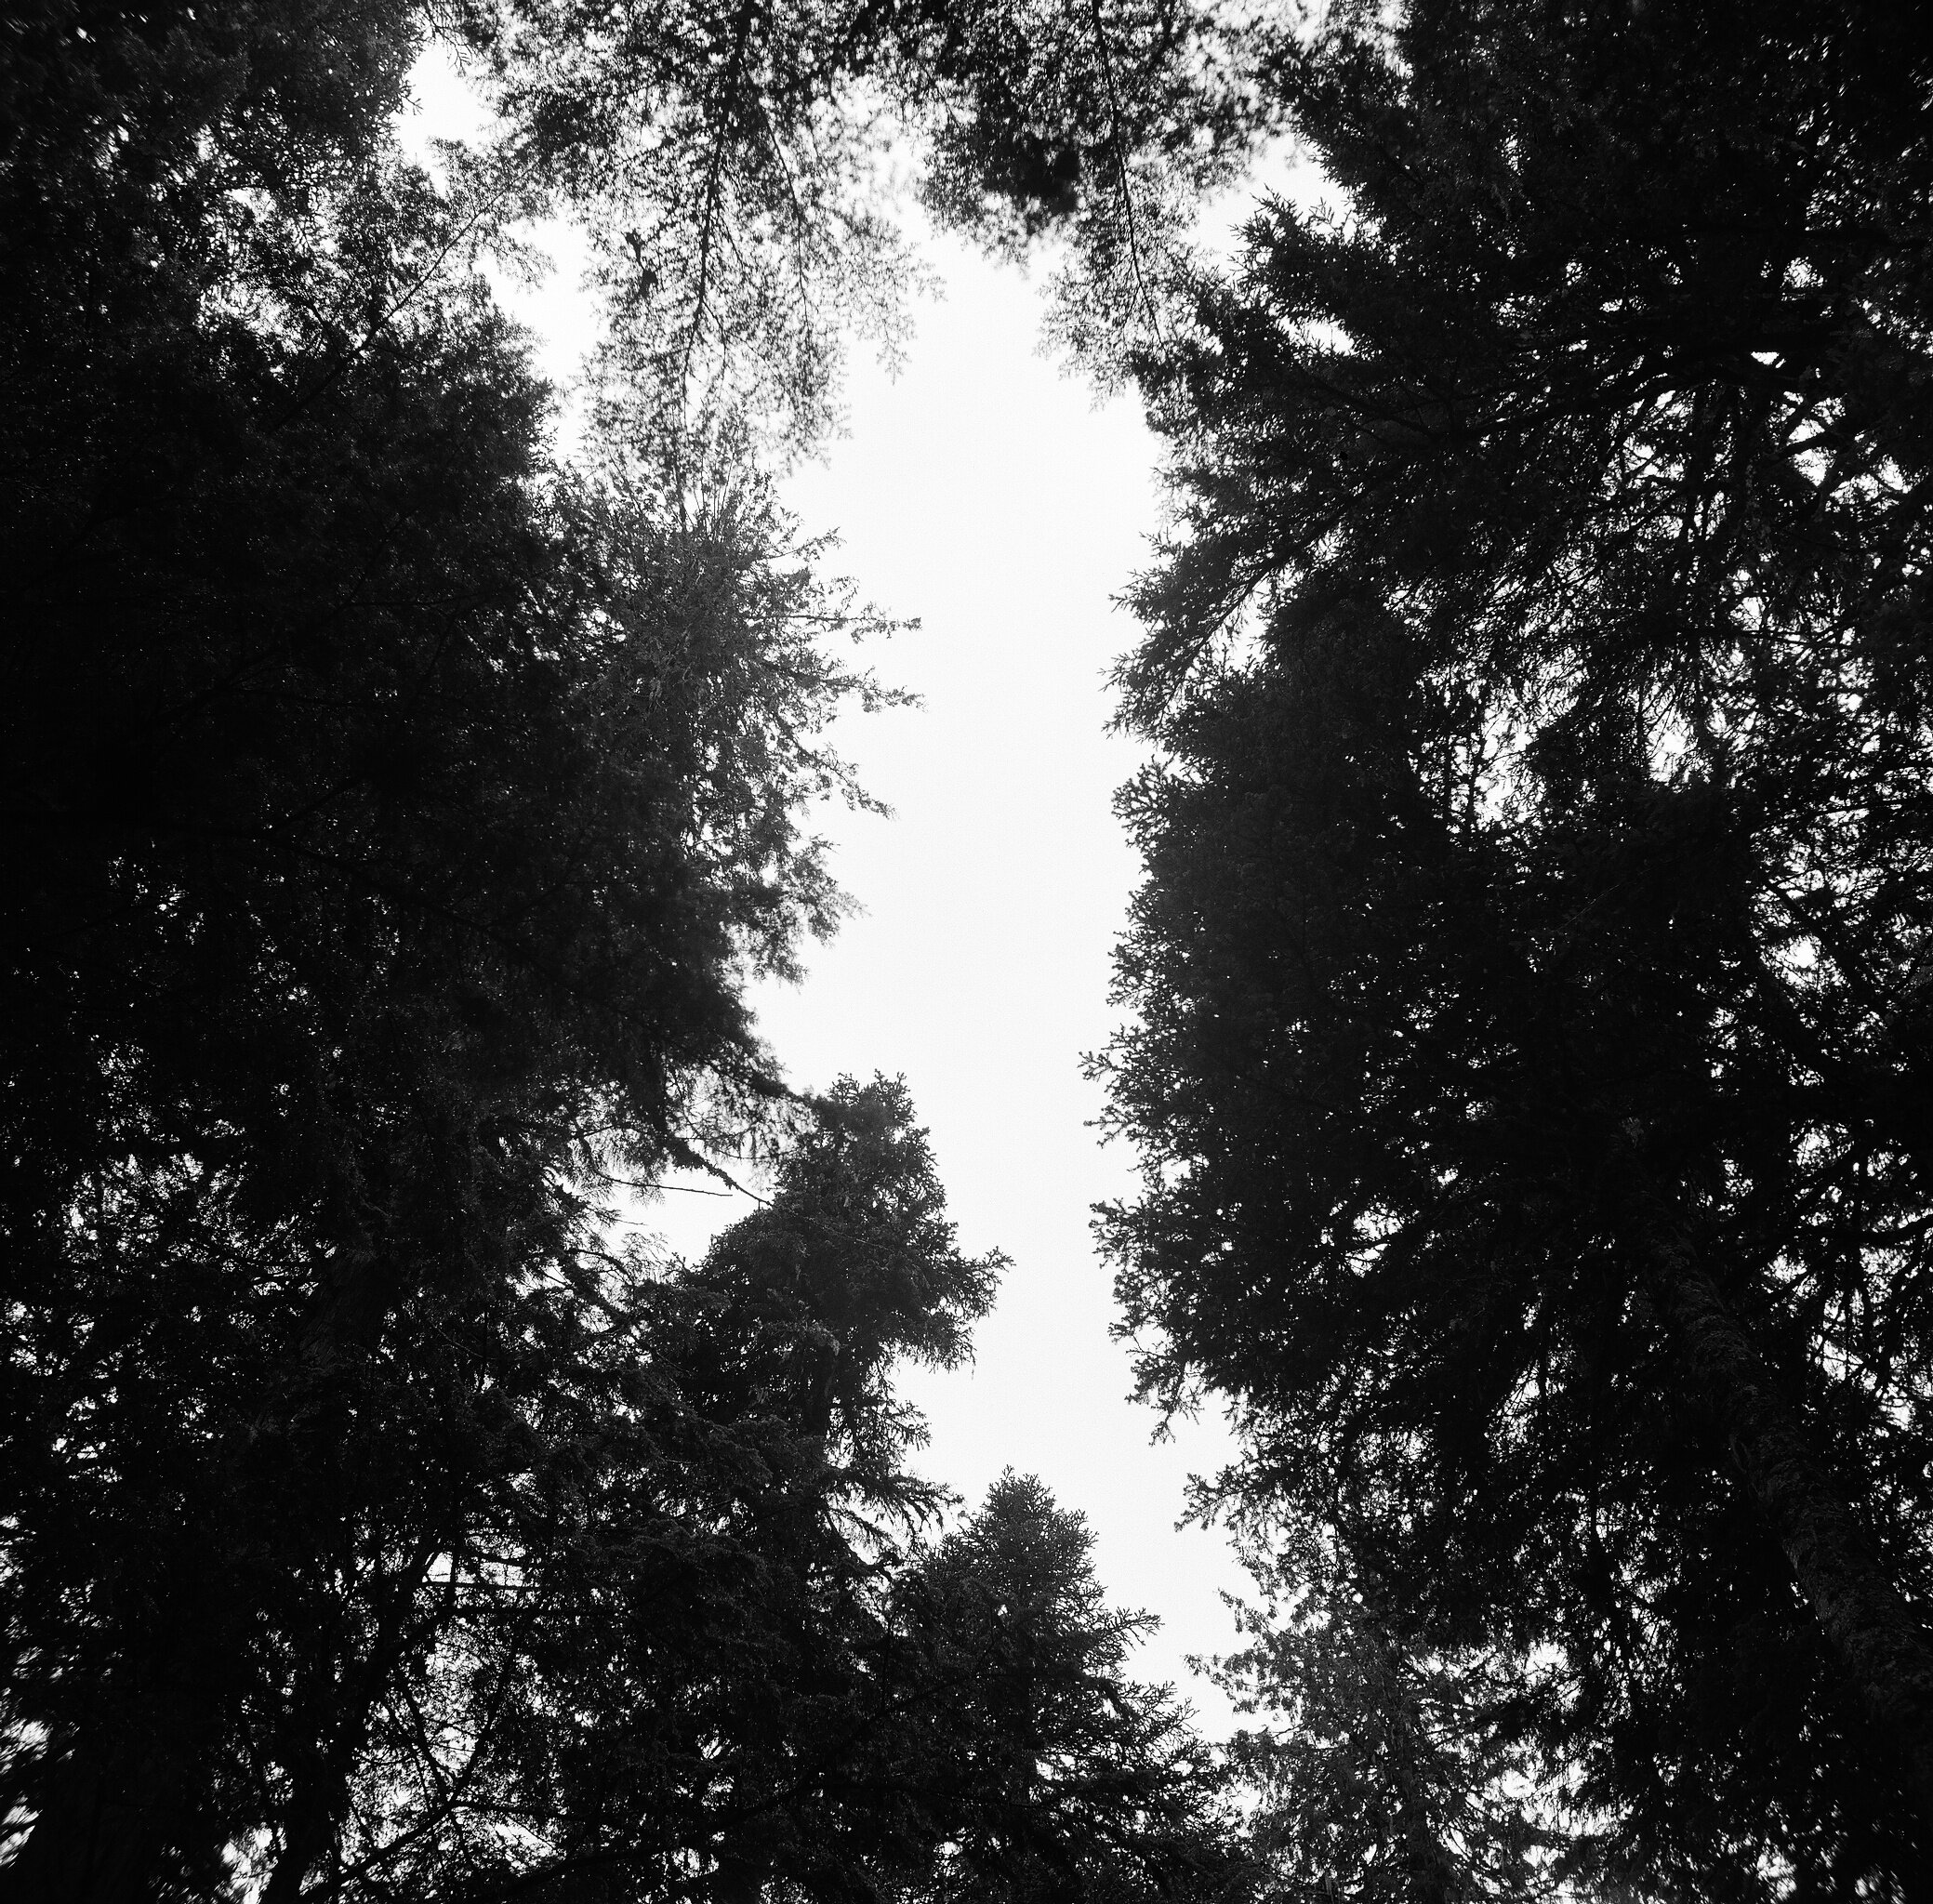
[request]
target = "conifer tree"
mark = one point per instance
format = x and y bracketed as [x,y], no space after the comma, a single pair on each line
[1528,1046]
[395,818]
[1051,1775]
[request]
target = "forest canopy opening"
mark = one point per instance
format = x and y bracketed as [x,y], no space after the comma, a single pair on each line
[1525,1027]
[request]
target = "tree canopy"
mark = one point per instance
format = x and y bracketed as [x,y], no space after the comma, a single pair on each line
[396,816]
[1528,1034]
[1525,1047]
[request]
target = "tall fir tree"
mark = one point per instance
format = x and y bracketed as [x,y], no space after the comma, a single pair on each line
[1527,1045]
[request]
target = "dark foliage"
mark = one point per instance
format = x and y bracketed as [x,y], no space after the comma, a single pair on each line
[393,820]
[1056,1777]
[1378,1775]
[734,159]
[661,1652]
[1528,1054]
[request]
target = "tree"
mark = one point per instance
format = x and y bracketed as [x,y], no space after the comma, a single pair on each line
[404,924]
[1380,1774]
[732,163]
[724,1661]
[688,1642]
[394,816]
[1528,1055]
[394,819]
[1050,1775]
[661,1645]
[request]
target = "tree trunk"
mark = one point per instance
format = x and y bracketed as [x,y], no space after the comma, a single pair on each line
[311,1832]
[319,1776]
[1858,1607]
[90,1844]
[340,1697]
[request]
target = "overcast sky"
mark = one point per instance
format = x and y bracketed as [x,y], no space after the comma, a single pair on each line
[984,492]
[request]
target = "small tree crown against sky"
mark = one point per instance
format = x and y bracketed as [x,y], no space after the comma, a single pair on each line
[1525,1010]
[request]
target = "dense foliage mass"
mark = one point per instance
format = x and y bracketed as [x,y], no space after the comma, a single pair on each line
[1529,1051]
[395,816]
[1530,1038]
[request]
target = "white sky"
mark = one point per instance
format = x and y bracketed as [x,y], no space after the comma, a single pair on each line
[984,492]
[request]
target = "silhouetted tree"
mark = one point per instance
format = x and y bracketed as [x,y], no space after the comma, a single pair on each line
[1049,1773]
[659,1650]
[318,1035]
[393,820]
[733,161]
[1380,1774]
[1530,1050]
[686,1642]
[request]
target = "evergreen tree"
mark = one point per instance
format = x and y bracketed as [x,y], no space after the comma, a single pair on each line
[1380,1774]
[1051,1775]
[733,162]
[1528,1052]
[661,1649]
[395,820]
